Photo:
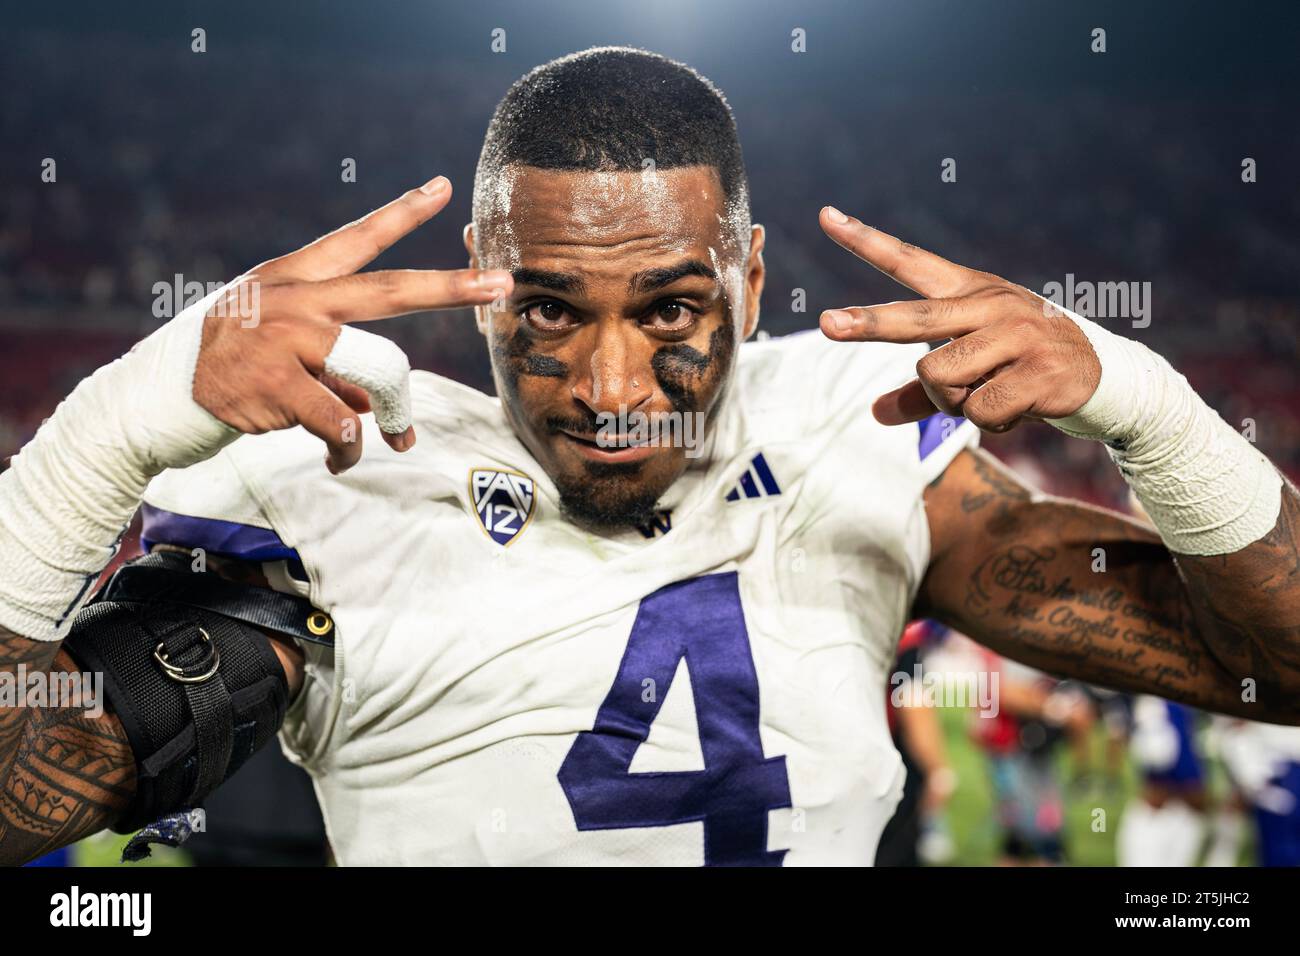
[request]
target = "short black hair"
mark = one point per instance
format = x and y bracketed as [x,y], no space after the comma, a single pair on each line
[609,109]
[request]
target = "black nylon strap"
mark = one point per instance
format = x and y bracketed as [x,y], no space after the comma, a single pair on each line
[166,576]
[181,734]
[187,647]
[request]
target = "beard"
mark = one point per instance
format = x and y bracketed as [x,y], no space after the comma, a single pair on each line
[609,496]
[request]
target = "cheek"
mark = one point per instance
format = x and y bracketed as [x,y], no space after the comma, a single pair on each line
[516,358]
[689,377]
[531,383]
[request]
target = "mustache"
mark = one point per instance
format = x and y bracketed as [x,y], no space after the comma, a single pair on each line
[578,424]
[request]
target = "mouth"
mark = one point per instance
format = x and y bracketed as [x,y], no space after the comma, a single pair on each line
[610,449]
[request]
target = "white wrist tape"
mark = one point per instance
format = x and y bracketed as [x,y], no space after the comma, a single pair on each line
[71,492]
[1205,487]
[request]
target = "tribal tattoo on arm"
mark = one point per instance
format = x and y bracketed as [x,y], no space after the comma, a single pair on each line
[1086,593]
[66,767]
[65,771]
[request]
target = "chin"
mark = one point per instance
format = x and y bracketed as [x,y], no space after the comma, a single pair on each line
[610,496]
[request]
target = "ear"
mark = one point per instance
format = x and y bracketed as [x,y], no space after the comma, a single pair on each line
[480,311]
[755,273]
[467,237]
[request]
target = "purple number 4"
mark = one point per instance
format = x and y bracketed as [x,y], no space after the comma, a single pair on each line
[700,619]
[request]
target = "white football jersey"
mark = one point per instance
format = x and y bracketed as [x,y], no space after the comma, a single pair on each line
[508,688]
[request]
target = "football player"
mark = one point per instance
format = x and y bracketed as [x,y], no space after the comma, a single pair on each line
[520,629]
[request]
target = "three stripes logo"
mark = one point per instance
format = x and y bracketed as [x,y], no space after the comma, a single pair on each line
[756,482]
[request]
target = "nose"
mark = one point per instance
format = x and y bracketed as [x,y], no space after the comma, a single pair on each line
[617,373]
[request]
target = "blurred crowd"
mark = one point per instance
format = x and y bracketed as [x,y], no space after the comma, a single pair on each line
[203,166]
[1038,771]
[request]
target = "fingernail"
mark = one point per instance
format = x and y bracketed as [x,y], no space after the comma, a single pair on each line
[835,216]
[841,320]
[434,186]
[495,279]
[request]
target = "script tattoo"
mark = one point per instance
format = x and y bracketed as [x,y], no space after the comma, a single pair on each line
[1021,576]
[1021,592]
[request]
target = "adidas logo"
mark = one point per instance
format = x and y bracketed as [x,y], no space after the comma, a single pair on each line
[756,482]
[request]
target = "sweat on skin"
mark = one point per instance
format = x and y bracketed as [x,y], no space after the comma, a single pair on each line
[631,292]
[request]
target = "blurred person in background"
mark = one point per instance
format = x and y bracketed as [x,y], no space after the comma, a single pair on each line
[918,833]
[1164,823]
[1263,761]
[1036,714]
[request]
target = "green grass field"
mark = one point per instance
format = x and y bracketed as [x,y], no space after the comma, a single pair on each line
[974,823]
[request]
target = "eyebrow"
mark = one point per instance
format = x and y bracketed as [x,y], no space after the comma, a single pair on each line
[555,281]
[647,280]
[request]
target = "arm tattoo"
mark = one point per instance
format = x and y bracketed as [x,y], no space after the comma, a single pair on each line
[1089,594]
[64,774]
[1248,603]
[996,489]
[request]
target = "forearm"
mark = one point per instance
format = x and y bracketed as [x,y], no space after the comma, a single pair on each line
[65,768]
[1219,505]
[1089,594]
[924,736]
[1246,607]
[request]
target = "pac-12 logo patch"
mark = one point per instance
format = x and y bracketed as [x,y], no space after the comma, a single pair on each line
[503,501]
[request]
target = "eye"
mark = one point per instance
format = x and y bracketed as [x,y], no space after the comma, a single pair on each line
[548,315]
[672,316]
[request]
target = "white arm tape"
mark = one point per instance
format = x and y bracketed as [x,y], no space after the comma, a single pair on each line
[71,491]
[377,365]
[1205,487]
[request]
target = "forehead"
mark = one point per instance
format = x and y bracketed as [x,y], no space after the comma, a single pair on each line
[606,219]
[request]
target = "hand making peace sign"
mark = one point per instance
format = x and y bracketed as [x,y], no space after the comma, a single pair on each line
[1012,354]
[295,365]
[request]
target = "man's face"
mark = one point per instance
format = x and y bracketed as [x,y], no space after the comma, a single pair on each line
[631,293]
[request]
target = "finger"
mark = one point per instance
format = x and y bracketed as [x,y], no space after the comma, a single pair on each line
[347,249]
[924,272]
[1000,403]
[907,403]
[357,399]
[967,359]
[315,348]
[324,414]
[353,396]
[381,295]
[946,398]
[918,320]
[378,366]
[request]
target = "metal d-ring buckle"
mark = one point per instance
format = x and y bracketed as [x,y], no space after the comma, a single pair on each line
[179,673]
